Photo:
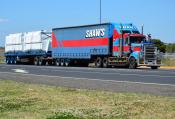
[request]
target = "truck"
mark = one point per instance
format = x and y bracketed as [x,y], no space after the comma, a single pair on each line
[104,45]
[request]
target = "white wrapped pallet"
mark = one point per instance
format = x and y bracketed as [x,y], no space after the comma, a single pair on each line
[8,48]
[38,40]
[33,37]
[35,46]
[13,48]
[14,39]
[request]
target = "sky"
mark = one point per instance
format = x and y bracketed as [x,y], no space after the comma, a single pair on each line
[158,16]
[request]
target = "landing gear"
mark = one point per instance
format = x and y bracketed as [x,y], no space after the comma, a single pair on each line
[132,63]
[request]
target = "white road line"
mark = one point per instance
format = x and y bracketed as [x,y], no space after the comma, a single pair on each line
[108,73]
[20,71]
[76,78]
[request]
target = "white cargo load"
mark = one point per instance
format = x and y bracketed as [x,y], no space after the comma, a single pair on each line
[14,39]
[30,41]
[34,37]
[13,48]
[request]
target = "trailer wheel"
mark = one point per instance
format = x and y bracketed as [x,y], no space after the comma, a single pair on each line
[57,62]
[11,60]
[132,63]
[67,62]
[105,62]
[154,67]
[36,61]
[98,62]
[7,60]
[40,62]
[62,62]
[47,63]
[15,61]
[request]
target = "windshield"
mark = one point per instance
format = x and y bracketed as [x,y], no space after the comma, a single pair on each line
[137,39]
[127,31]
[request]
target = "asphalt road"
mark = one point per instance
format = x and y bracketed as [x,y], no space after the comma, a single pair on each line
[157,82]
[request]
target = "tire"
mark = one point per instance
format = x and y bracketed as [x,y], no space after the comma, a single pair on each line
[15,61]
[105,62]
[57,62]
[36,61]
[132,63]
[47,63]
[7,61]
[62,62]
[40,62]
[67,62]
[154,67]
[11,60]
[98,62]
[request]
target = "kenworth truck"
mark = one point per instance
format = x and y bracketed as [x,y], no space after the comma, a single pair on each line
[105,45]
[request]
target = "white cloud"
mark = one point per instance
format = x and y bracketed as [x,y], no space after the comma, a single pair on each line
[3,20]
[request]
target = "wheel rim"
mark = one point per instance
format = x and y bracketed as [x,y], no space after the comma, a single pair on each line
[62,62]
[105,63]
[11,61]
[67,63]
[15,62]
[98,62]
[36,61]
[57,62]
[132,63]
[40,62]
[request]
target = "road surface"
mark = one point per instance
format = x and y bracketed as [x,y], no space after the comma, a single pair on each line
[157,82]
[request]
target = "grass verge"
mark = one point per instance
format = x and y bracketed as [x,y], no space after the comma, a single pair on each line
[168,61]
[28,101]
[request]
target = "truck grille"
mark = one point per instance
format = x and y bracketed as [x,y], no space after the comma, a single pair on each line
[150,53]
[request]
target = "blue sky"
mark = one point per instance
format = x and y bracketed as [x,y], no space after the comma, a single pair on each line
[157,16]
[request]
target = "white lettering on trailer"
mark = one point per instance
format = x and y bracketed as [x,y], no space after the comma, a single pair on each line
[95,33]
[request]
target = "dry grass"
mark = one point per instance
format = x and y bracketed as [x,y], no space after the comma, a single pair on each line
[2,58]
[168,61]
[24,101]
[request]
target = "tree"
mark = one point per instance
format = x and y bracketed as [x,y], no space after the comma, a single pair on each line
[160,45]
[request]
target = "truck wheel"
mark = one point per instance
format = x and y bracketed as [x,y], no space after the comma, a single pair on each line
[132,63]
[154,67]
[105,62]
[98,62]
[36,61]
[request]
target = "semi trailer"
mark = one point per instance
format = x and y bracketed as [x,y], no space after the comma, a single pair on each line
[105,45]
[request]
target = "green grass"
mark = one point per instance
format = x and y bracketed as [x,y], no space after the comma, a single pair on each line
[28,101]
